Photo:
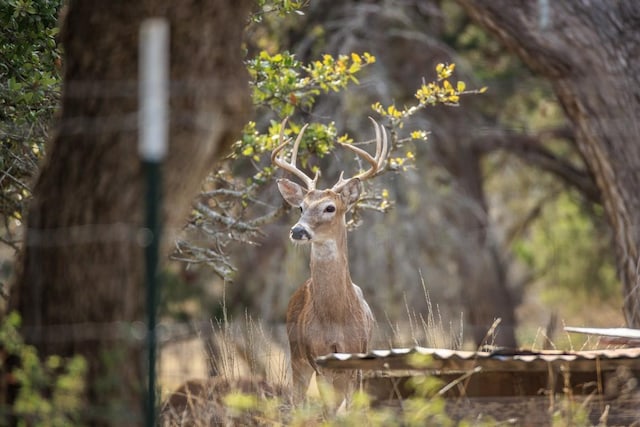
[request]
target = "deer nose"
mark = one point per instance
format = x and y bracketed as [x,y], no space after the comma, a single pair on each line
[299,232]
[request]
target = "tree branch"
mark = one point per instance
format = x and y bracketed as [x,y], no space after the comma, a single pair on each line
[532,150]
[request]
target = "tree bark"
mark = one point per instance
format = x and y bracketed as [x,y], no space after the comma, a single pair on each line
[485,293]
[80,288]
[590,52]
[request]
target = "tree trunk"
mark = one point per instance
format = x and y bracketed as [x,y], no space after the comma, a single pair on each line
[80,289]
[485,292]
[590,52]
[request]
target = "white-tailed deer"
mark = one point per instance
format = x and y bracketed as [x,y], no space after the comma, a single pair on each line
[328,313]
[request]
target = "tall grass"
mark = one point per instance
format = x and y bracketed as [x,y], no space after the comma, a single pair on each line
[251,385]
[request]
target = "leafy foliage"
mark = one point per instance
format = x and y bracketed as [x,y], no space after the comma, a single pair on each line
[233,208]
[29,89]
[281,7]
[559,247]
[51,391]
[282,83]
[440,91]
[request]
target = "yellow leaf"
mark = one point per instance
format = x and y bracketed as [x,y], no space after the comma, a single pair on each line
[461,86]
[344,138]
[377,107]
[369,58]
[240,401]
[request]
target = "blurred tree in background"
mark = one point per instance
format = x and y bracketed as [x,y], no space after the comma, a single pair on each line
[457,222]
[588,53]
[513,205]
[79,286]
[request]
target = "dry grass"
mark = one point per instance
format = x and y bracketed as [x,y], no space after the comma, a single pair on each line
[252,379]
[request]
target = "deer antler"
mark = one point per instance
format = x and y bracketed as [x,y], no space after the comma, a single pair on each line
[291,167]
[376,162]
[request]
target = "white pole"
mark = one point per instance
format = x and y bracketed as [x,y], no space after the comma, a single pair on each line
[153,89]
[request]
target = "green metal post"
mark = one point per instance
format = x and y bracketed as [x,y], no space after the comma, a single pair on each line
[153,231]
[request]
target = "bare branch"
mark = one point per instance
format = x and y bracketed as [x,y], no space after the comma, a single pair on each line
[532,150]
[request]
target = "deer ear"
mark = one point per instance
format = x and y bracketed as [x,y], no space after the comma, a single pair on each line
[291,192]
[350,193]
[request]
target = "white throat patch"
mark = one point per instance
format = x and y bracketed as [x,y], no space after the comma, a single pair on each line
[327,249]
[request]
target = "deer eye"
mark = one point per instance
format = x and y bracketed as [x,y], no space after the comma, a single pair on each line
[301,210]
[330,208]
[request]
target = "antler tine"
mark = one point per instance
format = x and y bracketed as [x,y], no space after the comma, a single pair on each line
[381,154]
[376,162]
[296,145]
[291,166]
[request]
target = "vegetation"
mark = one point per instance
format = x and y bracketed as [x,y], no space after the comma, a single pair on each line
[237,203]
[30,76]
[230,209]
[550,232]
[426,405]
[46,392]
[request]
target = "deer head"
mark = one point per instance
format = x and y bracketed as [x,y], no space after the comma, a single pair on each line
[323,211]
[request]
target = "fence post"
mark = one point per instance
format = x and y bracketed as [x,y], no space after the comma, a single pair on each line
[153,132]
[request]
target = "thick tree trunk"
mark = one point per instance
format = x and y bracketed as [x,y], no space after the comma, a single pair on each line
[485,292]
[590,52]
[81,285]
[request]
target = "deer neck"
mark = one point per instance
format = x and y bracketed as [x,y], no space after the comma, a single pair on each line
[331,280]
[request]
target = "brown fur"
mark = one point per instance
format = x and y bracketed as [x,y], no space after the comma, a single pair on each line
[328,313]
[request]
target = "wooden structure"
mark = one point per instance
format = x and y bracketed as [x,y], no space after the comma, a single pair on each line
[521,387]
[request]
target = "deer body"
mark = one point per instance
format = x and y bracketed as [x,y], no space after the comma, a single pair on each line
[328,313]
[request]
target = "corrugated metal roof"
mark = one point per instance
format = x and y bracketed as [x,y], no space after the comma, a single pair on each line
[607,332]
[499,360]
[620,336]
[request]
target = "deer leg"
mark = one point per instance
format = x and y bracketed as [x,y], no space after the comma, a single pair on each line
[336,390]
[345,384]
[301,372]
